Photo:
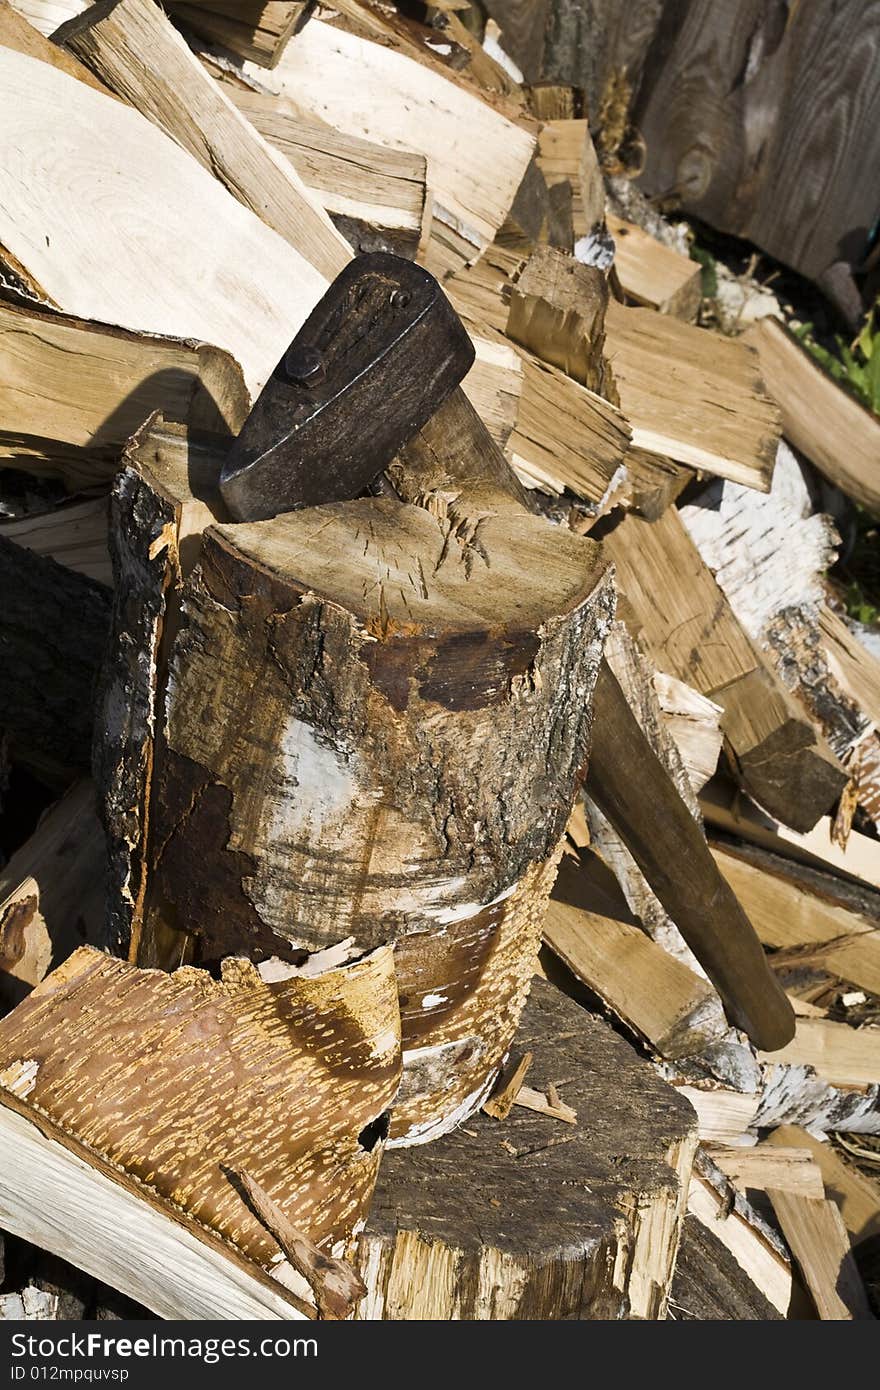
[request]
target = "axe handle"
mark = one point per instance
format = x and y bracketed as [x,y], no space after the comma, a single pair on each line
[634,791]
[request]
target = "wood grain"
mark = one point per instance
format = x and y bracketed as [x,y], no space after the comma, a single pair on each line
[52,891]
[738,101]
[835,432]
[377,196]
[857,1196]
[654,994]
[475,1228]
[137,52]
[257,30]
[476,156]
[652,274]
[693,634]
[693,396]
[74,534]
[175,254]
[791,910]
[72,392]
[818,1241]
[660,839]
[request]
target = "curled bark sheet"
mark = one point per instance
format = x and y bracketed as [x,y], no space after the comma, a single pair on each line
[179,1081]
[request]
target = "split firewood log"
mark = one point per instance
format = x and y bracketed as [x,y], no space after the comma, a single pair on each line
[135,51]
[97,385]
[360,76]
[453,454]
[692,633]
[210,269]
[376,196]
[257,30]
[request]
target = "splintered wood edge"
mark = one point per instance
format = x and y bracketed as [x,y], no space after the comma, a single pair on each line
[472,591]
[113,1201]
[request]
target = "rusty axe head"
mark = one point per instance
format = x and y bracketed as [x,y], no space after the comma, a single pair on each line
[373,361]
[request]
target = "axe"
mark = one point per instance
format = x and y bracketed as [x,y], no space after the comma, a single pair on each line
[381,355]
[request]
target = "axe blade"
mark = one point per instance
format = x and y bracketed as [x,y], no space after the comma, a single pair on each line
[374,360]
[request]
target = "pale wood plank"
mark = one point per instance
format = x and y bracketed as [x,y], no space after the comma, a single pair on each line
[841,1055]
[135,50]
[692,395]
[835,432]
[857,1196]
[817,1237]
[172,253]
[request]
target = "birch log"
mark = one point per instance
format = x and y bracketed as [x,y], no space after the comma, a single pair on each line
[372,727]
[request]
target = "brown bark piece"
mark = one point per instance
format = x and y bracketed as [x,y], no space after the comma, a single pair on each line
[290,1078]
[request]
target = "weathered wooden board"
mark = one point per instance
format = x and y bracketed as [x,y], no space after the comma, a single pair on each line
[577,43]
[762,120]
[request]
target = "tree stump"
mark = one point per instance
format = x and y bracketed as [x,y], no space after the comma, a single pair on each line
[530,1218]
[359,720]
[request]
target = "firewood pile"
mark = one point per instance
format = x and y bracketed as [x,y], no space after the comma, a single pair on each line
[448,888]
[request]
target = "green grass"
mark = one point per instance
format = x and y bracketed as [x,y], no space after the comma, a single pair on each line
[708,273]
[861,572]
[855,365]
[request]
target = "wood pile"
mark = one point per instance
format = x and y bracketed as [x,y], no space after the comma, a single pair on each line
[459,899]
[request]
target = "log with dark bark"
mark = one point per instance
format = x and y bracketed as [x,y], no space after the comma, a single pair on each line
[53,630]
[578,43]
[453,452]
[378,736]
[709,1284]
[515,1219]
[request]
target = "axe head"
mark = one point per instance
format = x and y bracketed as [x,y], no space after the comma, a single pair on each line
[373,361]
